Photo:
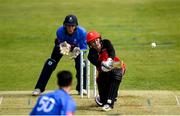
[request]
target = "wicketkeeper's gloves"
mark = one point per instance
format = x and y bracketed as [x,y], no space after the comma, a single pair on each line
[107,65]
[65,48]
[75,52]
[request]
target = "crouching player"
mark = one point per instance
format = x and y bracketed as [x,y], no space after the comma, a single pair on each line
[58,102]
[110,69]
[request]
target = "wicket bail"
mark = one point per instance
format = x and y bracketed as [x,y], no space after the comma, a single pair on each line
[86,63]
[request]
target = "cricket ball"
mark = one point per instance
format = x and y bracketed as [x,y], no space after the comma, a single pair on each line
[153,45]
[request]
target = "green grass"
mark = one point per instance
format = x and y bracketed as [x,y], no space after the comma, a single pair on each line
[128,103]
[27,32]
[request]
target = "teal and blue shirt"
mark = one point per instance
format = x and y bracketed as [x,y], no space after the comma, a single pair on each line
[58,102]
[77,39]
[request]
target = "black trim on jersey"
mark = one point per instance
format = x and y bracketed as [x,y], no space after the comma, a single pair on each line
[110,49]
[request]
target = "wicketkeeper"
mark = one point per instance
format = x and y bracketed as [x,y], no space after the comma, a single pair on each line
[71,38]
[110,69]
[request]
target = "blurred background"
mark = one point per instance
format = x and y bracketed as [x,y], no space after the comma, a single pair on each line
[28,29]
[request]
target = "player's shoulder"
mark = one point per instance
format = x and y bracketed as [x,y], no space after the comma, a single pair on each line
[60,29]
[64,97]
[81,29]
[46,96]
[92,50]
[55,96]
[72,102]
[106,41]
[60,32]
[50,94]
[62,93]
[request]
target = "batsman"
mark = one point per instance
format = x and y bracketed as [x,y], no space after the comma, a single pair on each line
[71,38]
[110,69]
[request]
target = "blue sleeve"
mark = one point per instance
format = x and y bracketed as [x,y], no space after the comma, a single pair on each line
[32,112]
[83,43]
[60,34]
[71,107]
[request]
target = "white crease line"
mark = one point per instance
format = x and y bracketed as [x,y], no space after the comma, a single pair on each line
[177,100]
[1,99]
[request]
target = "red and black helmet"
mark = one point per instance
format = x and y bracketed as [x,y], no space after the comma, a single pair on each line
[92,35]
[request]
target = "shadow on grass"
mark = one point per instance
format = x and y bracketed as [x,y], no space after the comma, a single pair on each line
[92,107]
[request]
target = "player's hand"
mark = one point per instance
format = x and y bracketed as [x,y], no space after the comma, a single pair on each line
[104,69]
[107,64]
[123,67]
[75,52]
[65,48]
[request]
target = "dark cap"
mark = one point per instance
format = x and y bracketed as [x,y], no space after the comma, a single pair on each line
[70,20]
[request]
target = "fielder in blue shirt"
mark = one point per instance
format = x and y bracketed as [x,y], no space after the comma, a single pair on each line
[58,102]
[71,38]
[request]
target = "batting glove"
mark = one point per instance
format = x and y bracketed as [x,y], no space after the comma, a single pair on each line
[107,64]
[65,48]
[104,69]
